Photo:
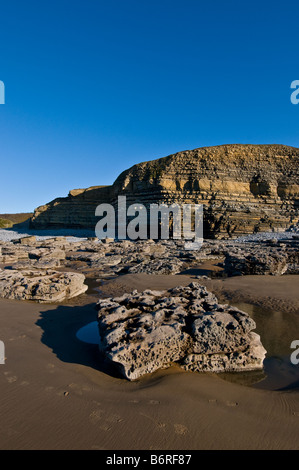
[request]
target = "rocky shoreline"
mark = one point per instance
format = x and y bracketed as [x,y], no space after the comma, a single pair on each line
[53,269]
[148,330]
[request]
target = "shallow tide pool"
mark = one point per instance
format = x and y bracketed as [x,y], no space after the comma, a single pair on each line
[277,331]
[89,333]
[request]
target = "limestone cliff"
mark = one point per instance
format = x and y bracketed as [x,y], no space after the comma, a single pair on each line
[243,188]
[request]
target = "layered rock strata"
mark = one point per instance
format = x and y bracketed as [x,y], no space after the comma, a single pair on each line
[243,189]
[145,331]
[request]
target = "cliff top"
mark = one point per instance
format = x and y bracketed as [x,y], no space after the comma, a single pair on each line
[254,158]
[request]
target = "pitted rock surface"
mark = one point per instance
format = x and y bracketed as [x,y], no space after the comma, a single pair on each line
[145,331]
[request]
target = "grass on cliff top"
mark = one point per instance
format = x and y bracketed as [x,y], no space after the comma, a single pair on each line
[4,223]
[9,220]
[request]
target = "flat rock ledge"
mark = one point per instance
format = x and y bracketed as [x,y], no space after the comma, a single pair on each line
[145,331]
[41,286]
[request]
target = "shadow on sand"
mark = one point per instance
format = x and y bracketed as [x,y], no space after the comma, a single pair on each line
[60,326]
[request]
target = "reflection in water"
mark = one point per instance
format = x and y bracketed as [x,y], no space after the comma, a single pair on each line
[89,333]
[277,331]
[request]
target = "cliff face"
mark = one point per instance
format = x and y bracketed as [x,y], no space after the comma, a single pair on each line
[243,188]
[77,210]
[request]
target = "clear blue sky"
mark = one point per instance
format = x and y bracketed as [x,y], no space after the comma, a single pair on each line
[93,87]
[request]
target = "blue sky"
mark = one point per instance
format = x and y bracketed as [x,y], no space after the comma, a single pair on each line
[93,87]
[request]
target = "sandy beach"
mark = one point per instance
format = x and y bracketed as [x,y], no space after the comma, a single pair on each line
[57,392]
[149,230]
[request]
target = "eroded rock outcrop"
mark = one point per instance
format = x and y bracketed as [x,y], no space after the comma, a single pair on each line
[243,189]
[264,257]
[143,332]
[41,286]
[163,257]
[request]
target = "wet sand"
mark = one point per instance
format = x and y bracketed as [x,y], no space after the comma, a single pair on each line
[270,292]
[56,392]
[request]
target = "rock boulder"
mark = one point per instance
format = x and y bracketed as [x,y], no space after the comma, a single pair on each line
[41,286]
[143,332]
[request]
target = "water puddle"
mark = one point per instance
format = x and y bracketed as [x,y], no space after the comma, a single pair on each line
[89,333]
[277,331]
